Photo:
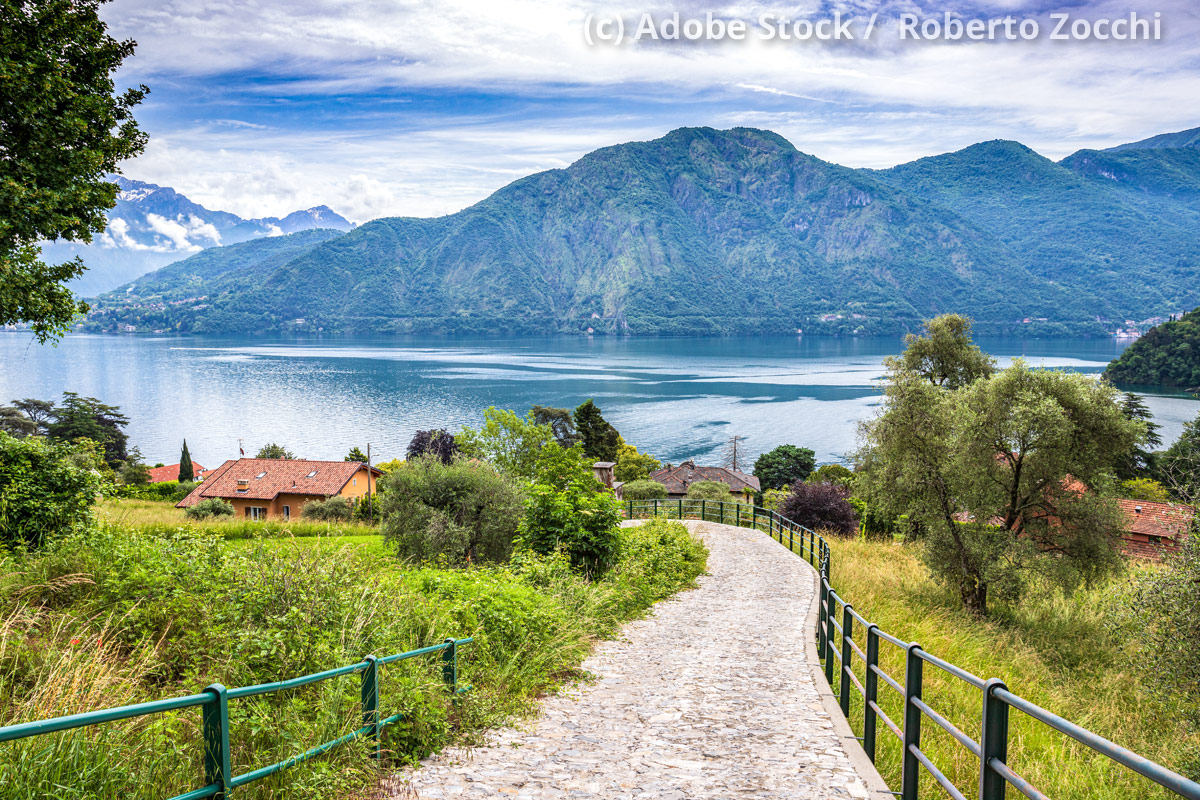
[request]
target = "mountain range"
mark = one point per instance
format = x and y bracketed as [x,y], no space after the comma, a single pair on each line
[152,226]
[706,231]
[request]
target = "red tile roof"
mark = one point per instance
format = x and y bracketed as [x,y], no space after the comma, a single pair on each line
[267,477]
[171,473]
[677,479]
[1162,520]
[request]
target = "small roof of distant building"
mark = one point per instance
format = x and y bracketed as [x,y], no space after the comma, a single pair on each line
[267,477]
[171,473]
[1161,520]
[677,479]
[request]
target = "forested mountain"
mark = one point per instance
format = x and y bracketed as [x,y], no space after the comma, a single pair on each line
[717,232]
[1169,355]
[151,226]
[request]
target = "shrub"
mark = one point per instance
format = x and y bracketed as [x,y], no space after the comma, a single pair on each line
[1145,489]
[171,491]
[662,555]
[632,465]
[438,442]
[577,520]
[833,473]
[46,490]
[645,489]
[821,507]
[331,509]
[709,490]
[772,498]
[209,508]
[462,512]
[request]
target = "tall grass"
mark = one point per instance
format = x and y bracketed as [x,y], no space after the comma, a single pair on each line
[121,616]
[156,517]
[1059,652]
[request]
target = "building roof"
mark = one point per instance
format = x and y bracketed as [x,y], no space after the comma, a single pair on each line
[677,479]
[267,477]
[1162,520]
[171,473]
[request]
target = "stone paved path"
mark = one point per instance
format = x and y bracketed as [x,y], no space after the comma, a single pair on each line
[711,697]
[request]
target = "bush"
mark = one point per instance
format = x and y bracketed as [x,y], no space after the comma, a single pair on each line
[167,491]
[577,520]
[821,507]
[331,509]
[462,512]
[643,490]
[833,473]
[209,508]
[46,490]
[662,555]
[1145,489]
[709,490]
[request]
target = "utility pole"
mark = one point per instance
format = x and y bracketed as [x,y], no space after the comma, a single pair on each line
[733,453]
[370,479]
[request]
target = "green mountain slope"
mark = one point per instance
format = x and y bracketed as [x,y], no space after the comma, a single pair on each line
[1168,355]
[720,232]
[1188,138]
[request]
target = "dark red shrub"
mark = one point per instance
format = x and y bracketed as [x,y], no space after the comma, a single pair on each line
[820,506]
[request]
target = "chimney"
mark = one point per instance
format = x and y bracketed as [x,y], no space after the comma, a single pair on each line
[1137,509]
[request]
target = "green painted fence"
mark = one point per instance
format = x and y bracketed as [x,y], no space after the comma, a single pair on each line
[835,643]
[219,778]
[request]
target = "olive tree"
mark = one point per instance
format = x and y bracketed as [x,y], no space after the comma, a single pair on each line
[1004,476]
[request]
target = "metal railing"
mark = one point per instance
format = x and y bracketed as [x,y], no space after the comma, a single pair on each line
[219,777]
[835,642]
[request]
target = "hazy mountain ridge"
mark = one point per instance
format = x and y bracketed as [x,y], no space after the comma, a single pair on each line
[705,231]
[152,226]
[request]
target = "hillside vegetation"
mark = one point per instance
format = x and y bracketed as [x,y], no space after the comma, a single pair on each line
[720,232]
[1169,355]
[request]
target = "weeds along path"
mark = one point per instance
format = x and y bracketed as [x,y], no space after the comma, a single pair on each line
[712,696]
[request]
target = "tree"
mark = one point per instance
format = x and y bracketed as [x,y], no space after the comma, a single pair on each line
[945,356]
[63,129]
[833,473]
[643,489]
[439,443]
[560,422]
[275,451]
[632,465]
[560,466]
[87,418]
[15,423]
[599,438]
[187,472]
[40,411]
[356,454]
[46,489]
[1140,461]
[733,453]
[507,440]
[134,471]
[709,490]
[820,507]
[1179,466]
[1003,477]
[784,465]
[576,520]
[1146,489]
[463,512]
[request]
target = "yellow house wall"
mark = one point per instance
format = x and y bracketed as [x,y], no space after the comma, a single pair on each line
[354,489]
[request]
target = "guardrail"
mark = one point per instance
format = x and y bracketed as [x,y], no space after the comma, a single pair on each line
[219,777]
[835,642]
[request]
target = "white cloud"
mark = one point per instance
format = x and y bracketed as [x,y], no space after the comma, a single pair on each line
[179,235]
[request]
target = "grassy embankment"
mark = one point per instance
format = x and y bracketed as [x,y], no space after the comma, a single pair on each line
[1064,653]
[149,606]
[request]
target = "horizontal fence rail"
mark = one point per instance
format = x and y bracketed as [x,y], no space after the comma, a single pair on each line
[837,650]
[219,778]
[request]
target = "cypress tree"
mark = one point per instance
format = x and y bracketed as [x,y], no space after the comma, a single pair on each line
[186,472]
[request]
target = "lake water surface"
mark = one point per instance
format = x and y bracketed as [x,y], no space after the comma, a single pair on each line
[676,398]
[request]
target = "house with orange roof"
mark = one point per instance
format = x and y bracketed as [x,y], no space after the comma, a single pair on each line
[171,473]
[269,488]
[678,479]
[1154,529]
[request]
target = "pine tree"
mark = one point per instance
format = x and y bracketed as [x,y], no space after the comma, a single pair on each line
[187,473]
[600,439]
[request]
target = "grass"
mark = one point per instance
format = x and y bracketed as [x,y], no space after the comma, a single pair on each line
[130,613]
[157,517]
[1061,653]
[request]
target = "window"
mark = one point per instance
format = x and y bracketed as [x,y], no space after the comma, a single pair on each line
[287,512]
[355,482]
[256,512]
[312,474]
[261,475]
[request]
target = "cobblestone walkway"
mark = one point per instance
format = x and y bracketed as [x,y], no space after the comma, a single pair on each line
[710,697]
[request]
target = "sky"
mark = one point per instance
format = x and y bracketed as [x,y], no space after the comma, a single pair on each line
[408,107]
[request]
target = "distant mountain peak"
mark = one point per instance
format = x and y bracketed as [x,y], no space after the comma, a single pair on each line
[1188,138]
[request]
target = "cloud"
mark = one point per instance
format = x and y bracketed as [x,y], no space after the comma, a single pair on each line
[424,107]
[179,235]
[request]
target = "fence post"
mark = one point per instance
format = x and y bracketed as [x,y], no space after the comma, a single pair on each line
[829,638]
[912,723]
[844,678]
[215,724]
[681,508]
[370,704]
[737,513]
[704,511]
[450,666]
[822,610]
[630,509]
[993,743]
[791,539]
[871,695]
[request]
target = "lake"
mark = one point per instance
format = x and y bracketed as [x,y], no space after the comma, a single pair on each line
[676,398]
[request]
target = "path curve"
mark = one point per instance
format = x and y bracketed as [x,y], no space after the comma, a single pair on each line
[712,696]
